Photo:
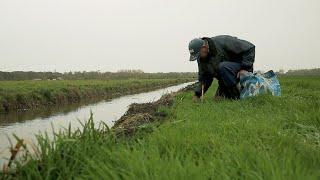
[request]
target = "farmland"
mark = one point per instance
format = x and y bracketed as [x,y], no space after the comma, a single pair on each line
[263,137]
[24,95]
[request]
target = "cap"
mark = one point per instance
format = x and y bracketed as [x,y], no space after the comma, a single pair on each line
[194,48]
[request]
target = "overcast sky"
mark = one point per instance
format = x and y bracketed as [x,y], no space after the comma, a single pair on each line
[152,35]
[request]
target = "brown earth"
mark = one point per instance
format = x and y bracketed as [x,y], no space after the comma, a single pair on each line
[140,114]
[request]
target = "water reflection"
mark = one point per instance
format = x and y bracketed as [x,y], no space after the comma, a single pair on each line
[22,116]
[27,124]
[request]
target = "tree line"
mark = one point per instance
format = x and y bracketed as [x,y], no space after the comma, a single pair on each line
[304,72]
[122,74]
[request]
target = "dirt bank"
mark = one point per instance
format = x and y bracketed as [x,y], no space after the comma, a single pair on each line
[141,114]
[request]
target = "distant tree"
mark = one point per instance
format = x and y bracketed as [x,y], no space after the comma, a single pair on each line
[304,72]
[130,71]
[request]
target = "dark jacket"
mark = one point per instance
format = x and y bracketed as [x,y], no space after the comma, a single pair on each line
[223,48]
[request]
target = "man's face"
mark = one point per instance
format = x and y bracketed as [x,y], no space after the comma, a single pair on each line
[203,52]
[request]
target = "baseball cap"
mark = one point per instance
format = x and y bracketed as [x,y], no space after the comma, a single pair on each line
[194,48]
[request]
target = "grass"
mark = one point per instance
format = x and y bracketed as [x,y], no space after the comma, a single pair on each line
[263,137]
[15,95]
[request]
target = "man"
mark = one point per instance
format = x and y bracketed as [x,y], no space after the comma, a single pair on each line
[224,58]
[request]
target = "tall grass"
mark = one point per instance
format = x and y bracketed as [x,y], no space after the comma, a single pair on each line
[263,137]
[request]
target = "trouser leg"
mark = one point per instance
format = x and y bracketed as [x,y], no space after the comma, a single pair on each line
[228,73]
[227,92]
[228,80]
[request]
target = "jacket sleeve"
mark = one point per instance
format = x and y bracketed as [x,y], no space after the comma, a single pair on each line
[198,89]
[248,59]
[202,81]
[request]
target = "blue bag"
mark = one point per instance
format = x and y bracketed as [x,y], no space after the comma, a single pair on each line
[255,84]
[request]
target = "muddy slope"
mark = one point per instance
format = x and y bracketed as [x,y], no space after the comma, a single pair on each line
[141,114]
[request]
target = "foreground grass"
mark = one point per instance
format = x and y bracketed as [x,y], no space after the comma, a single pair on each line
[36,94]
[258,138]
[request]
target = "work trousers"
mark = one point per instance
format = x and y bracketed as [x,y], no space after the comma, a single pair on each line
[228,80]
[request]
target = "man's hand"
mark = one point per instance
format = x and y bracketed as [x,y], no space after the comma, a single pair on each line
[241,72]
[195,98]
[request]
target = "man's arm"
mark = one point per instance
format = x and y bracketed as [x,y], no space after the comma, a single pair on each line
[198,90]
[248,59]
[204,80]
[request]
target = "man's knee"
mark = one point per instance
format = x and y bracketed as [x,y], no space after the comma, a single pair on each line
[223,67]
[228,73]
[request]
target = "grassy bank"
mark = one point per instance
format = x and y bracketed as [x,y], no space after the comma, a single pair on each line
[258,138]
[15,95]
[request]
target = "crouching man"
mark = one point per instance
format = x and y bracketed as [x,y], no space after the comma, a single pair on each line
[224,58]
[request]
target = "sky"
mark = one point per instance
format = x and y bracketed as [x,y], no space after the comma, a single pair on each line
[152,35]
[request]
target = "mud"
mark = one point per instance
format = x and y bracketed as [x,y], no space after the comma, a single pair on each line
[139,115]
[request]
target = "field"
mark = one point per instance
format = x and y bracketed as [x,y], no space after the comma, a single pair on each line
[263,137]
[21,95]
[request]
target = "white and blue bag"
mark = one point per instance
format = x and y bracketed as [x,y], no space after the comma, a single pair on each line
[253,84]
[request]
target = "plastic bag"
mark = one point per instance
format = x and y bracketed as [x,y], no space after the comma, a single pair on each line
[255,84]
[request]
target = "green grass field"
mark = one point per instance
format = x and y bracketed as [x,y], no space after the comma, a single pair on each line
[263,137]
[37,94]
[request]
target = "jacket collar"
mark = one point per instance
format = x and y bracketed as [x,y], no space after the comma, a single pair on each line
[212,47]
